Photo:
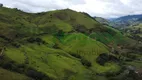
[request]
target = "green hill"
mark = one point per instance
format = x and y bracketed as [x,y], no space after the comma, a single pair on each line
[57,45]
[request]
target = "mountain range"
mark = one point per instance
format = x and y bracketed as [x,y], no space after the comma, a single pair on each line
[126,21]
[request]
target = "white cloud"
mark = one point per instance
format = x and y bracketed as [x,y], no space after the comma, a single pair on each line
[101,8]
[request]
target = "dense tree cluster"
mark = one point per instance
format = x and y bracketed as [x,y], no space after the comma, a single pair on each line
[83,60]
[6,63]
[86,62]
[104,58]
[37,40]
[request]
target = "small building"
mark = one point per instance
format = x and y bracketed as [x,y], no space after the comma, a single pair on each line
[1,5]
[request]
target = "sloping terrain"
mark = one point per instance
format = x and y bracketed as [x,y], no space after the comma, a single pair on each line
[57,45]
[137,29]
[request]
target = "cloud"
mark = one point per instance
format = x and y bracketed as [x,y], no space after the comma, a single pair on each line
[101,8]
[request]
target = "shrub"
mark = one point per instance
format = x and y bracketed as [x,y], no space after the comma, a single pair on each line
[86,62]
[11,65]
[56,46]
[68,74]
[60,33]
[103,58]
[17,45]
[81,28]
[37,75]
[76,55]
[83,61]
[31,40]
[37,40]
[8,65]
[34,74]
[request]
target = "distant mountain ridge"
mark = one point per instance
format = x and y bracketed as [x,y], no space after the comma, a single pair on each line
[129,17]
[126,21]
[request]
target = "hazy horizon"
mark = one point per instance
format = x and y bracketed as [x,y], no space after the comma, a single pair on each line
[101,8]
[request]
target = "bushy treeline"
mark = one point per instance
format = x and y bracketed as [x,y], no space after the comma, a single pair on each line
[82,60]
[8,64]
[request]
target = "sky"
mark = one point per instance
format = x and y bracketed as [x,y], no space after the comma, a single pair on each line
[99,8]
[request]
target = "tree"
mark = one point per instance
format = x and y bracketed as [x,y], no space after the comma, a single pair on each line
[81,28]
[60,33]
[86,62]
[1,5]
[37,75]
[104,58]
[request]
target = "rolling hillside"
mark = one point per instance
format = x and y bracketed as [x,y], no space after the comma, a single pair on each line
[58,45]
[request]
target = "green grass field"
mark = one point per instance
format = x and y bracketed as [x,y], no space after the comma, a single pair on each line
[57,62]
[8,75]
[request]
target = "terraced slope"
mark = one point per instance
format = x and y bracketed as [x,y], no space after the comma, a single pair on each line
[137,29]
